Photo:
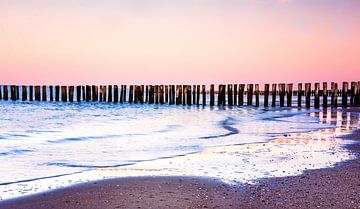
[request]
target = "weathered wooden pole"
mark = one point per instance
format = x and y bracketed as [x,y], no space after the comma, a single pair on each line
[83,92]
[220,95]
[101,91]
[51,89]
[188,91]
[235,94]
[31,93]
[282,94]
[166,94]
[357,95]
[230,95]
[161,92]
[250,92]
[71,93]
[325,95]
[147,94]
[17,92]
[110,93]
[266,95]
[299,94]
[241,94]
[156,94]
[104,92]
[307,95]
[172,94]
[44,94]
[203,92]
[317,96]
[289,93]
[197,95]
[334,96]
[352,93]
[121,93]
[212,97]
[6,93]
[37,93]
[257,95]
[178,95]
[131,94]
[194,94]
[78,93]
[24,93]
[13,93]
[151,94]
[64,93]
[94,93]
[116,94]
[124,93]
[136,93]
[345,90]
[88,93]
[332,93]
[273,93]
[141,96]
[184,94]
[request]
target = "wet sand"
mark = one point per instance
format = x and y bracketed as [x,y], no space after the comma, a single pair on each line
[337,187]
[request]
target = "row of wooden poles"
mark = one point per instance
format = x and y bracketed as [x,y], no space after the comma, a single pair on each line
[188,95]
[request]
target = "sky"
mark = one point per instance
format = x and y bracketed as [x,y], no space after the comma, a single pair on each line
[178,41]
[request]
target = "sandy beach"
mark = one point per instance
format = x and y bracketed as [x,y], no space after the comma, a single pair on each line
[336,187]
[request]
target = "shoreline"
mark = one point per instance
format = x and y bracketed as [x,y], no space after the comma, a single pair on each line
[331,187]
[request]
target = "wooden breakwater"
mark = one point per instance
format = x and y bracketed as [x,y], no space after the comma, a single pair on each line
[307,95]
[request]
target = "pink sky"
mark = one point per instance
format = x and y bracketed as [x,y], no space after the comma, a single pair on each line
[188,41]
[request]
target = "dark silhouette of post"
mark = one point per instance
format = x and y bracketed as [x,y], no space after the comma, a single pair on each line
[37,93]
[88,93]
[151,94]
[71,93]
[317,96]
[116,94]
[83,91]
[178,95]
[203,92]
[235,94]
[166,94]
[345,90]
[282,94]
[299,94]
[161,92]
[31,93]
[212,96]
[257,95]
[44,95]
[110,99]
[289,93]
[334,95]
[131,94]
[194,94]
[273,93]
[307,95]
[51,89]
[250,90]
[266,95]
[241,94]
[94,93]
[78,93]
[64,93]
[197,95]
[188,91]
[230,95]
[325,95]
[147,94]
[24,93]
[57,93]
[13,93]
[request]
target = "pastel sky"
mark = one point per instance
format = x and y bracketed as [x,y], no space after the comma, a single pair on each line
[178,41]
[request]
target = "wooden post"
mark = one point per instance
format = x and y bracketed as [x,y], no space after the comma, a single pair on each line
[141,96]
[203,92]
[78,93]
[104,93]
[352,93]
[345,90]
[317,96]
[357,95]
[172,94]
[184,94]
[88,93]
[83,91]
[325,95]
[24,93]
[101,91]
[212,97]
[273,93]
[299,94]
[334,96]
[151,94]
[110,92]
[178,95]
[230,95]
[1,92]
[188,99]
[13,93]
[37,93]
[116,94]
[197,95]
[136,93]
[257,95]
[131,94]
[161,92]
[282,94]
[289,93]
[17,93]
[124,93]
[166,94]
[94,93]
[6,93]
[220,98]
[250,91]
[44,95]
[147,94]
[156,94]
[31,93]
[64,93]
[241,94]
[266,95]
[307,94]
[194,94]
[51,89]
[332,93]
[71,93]
[235,94]
[121,93]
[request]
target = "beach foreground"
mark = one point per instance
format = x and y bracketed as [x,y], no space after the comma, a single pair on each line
[336,187]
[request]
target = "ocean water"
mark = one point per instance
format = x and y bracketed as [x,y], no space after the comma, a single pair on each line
[45,145]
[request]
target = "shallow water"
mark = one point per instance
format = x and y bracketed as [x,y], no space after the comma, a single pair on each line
[50,145]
